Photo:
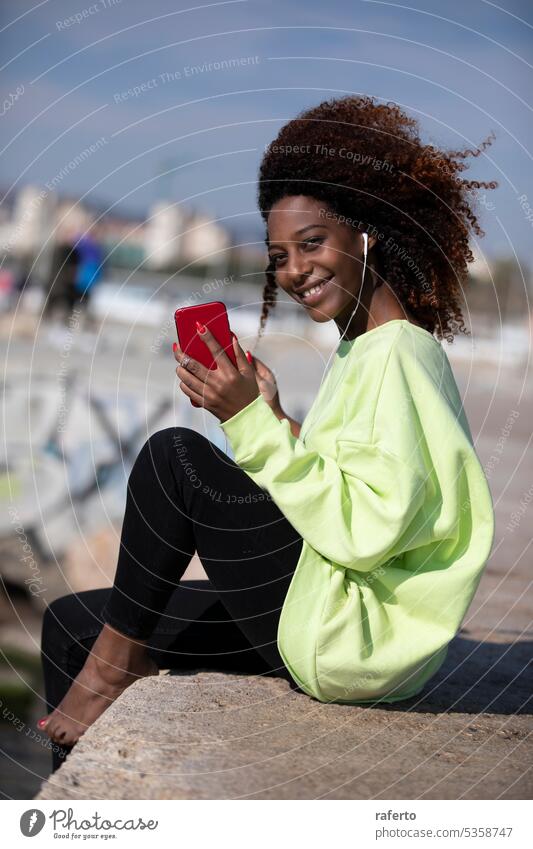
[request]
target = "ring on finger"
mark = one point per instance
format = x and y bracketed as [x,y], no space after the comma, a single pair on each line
[185,361]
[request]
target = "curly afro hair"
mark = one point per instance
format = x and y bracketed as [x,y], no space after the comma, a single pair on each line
[367,163]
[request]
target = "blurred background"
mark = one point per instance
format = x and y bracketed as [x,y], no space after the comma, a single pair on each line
[132,135]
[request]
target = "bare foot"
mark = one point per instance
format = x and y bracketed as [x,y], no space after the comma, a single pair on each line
[115,662]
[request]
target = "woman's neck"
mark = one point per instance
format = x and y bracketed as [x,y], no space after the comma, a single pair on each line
[378,305]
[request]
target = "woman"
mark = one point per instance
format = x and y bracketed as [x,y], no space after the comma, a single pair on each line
[344,552]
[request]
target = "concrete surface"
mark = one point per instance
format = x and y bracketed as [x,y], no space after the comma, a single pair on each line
[212,735]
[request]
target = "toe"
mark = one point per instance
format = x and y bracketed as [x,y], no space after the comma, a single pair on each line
[56,731]
[49,728]
[61,736]
[69,736]
[52,732]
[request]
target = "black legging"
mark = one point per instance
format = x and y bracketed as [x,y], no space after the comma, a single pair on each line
[184,495]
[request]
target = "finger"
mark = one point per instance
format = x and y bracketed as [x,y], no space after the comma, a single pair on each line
[243,363]
[193,366]
[194,383]
[219,355]
[262,369]
[178,353]
[194,396]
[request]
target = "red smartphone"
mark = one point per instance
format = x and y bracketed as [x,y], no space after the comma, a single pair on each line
[214,316]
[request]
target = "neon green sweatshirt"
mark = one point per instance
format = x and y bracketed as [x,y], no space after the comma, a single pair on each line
[385,488]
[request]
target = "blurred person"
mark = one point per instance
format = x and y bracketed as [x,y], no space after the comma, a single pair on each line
[8,293]
[63,295]
[23,280]
[343,552]
[89,272]
[27,280]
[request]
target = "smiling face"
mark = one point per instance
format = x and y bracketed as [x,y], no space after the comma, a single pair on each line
[308,248]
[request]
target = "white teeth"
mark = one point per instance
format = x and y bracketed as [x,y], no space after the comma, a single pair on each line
[313,290]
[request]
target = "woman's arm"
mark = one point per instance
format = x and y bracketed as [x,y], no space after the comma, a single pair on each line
[353,509]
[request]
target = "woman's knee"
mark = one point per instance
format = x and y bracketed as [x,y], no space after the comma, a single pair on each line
[168,439]
[181,448]
[56,615]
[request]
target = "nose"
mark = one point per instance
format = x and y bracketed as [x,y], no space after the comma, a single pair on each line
[297,268]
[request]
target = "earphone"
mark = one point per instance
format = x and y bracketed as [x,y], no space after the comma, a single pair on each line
[365,254]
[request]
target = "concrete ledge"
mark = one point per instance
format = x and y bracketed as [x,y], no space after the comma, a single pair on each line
[215,735]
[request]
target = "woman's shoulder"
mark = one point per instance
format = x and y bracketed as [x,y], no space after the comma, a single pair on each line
[397,331]
[416,387]
[399,340]
[402,365]
[395,368]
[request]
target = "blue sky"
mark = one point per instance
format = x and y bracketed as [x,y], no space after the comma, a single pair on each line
[462,68]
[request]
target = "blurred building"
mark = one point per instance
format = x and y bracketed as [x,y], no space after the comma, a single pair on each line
[480,269]
[205,241]
[31,222]
[177,237]
[72,220]
[123,240]
[169,237]
[164,234]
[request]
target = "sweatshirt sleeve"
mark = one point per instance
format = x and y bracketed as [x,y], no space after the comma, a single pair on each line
[354,508]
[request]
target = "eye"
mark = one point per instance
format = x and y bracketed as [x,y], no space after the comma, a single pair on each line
[309,244]
[314,241]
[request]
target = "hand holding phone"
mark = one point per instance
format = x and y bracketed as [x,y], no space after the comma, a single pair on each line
[212,315]
[224,381]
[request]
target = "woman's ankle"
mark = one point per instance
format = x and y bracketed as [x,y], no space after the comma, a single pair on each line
[116,649]
[112,633]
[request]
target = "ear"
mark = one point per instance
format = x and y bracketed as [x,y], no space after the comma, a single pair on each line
[371,242]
